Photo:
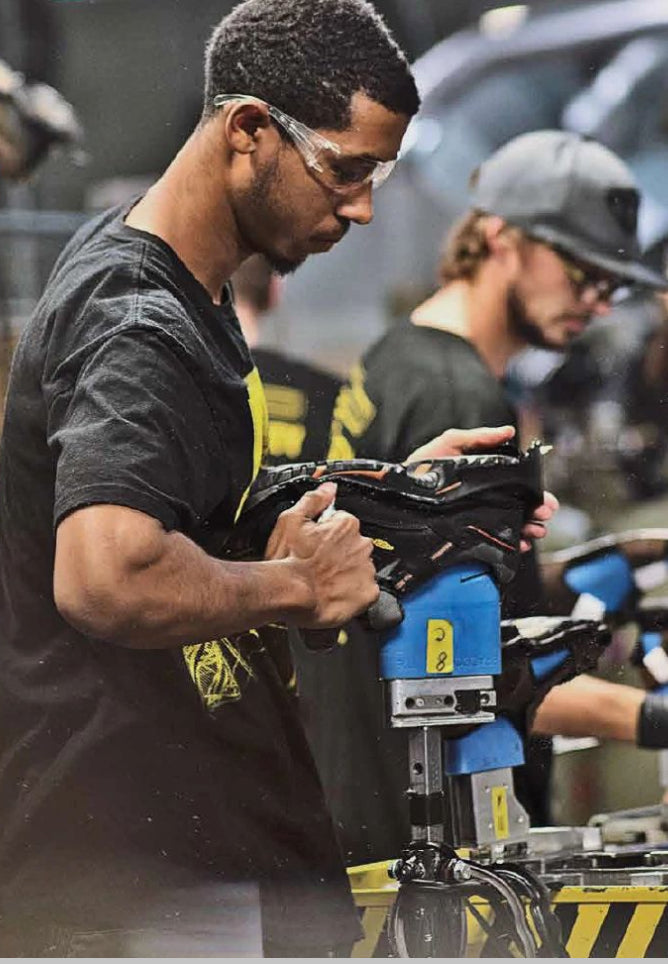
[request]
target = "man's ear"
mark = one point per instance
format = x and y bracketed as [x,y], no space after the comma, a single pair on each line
[495,236]
[502,240]
[243,123]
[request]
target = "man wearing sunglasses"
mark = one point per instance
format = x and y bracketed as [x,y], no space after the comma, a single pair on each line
[549,240]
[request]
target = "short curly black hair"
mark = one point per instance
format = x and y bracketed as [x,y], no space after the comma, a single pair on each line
[308,57]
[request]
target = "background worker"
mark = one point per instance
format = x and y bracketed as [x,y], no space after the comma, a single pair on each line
[550,237]
[300,396]
[34,119]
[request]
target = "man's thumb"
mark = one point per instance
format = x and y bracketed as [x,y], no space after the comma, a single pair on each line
[313,503]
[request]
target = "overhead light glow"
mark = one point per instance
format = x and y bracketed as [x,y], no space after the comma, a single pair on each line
[503,19]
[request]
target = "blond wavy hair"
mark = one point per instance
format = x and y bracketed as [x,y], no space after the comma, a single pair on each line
[465,247]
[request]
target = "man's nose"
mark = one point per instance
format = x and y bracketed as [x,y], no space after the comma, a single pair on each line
[597,303]
[602,307]
[357,207]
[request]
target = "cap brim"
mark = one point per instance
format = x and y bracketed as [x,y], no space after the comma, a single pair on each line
[635,272]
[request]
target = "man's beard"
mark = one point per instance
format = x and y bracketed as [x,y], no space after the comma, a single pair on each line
[282,266]
[521,325]
[268,185]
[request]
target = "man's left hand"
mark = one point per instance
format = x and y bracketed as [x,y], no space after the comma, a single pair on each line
[536,527]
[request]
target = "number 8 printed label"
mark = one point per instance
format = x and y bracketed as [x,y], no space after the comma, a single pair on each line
[440,649]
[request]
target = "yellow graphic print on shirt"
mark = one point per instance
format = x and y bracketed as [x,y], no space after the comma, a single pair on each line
[258,409]
[221,667]
[287,408]
[353,413]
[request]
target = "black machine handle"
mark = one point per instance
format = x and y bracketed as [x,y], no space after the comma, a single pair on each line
[384,614]
[381,616]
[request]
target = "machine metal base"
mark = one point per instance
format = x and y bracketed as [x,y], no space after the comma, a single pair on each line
[483,810]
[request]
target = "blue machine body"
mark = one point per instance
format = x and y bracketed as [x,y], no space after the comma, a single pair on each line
[648,642]
[451,627]
[489,747]
[608,577]
[542,666]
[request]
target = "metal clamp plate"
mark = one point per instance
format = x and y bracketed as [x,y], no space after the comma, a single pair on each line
[440,702]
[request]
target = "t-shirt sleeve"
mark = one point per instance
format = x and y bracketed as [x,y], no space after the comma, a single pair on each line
[135,431]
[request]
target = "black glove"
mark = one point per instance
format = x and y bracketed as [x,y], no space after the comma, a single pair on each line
[653,722]
[538,653]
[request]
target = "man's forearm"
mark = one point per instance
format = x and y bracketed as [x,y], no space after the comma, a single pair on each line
[587,706]
[169,591]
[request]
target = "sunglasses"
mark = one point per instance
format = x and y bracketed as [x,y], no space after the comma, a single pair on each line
[587,277]
[341,173]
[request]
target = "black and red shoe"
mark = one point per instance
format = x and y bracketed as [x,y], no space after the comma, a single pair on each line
[422,517]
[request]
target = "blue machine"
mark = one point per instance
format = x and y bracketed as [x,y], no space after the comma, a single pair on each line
[450,628]
[651,644]
[608,578]
[439,665]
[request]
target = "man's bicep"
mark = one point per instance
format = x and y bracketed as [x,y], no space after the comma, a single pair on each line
[97,548]
[134,431]
[106,539]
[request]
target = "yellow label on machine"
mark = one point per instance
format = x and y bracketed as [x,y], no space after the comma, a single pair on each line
[500,813]
[440,648]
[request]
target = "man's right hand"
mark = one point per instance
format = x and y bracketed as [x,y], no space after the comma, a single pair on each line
[331,558]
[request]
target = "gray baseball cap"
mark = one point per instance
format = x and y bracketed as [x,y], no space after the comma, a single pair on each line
[569,191]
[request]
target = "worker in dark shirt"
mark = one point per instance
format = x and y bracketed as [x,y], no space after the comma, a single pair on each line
[300,396]
[157,793]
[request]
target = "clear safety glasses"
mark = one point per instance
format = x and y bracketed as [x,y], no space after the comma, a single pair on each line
[339,172]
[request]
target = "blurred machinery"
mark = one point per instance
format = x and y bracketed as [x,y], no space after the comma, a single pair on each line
[607,882]
[34,118]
